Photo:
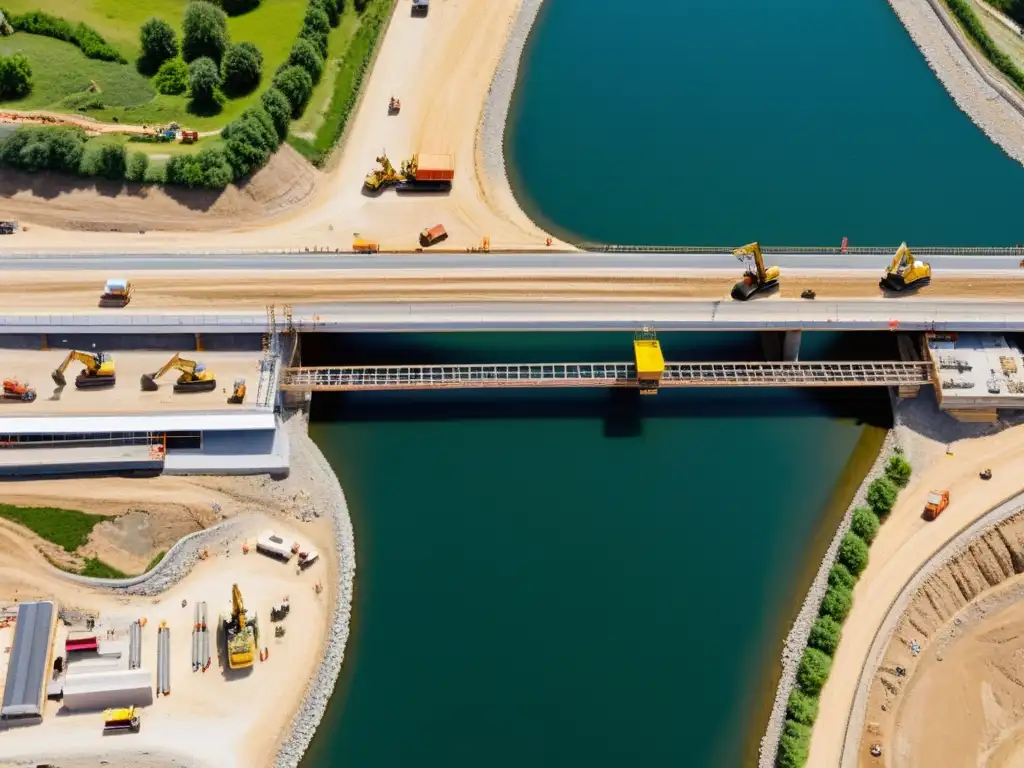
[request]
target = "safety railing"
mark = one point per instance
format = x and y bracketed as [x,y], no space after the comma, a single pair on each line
[824,250]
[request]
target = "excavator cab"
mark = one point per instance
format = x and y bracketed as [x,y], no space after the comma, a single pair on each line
[99,370]
[237,396]
[905,272]
[757,277]
[194,376]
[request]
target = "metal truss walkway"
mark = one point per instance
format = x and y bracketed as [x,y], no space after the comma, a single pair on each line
[796,374]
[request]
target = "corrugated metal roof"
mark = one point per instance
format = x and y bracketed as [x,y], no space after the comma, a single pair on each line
[30,654]
[155,422]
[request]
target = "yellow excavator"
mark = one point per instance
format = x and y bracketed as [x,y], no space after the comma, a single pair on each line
[237,396]
[757,277]
[905,272]
[99,370]
[194,376]
[383,176]
[241,633]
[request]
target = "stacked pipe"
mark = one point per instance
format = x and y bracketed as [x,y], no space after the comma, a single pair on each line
[196,639]
[163,663]
[135,645]
[204,638]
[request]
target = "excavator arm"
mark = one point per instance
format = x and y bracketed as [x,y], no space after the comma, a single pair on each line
[94,362]
[752,251]
[757,277]
[237,606]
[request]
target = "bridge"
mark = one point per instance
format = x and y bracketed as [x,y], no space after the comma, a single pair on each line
[527,375]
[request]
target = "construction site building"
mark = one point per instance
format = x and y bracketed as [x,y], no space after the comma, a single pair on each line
[29,662]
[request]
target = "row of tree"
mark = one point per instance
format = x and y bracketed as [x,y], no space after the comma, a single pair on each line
[67,150]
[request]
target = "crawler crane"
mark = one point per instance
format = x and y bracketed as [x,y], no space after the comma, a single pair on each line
[99,370]
[757,277]
[194,376]
[905,272]
[241,633]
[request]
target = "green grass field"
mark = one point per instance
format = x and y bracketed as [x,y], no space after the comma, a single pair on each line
[97,569]
[66,528]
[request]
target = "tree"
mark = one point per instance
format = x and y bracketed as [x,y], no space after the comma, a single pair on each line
[158,43]
[297,86]
[898,470]
[105,159]
[216,172]
[138,164]
[794,745]
[838,576]
[882,495]
[15,76]
[240,69]
[801,707]
[360,5]
[278,109]
[204,32]
[332,8]
[251,139]
[865,523]
[825,635]
[172,77]
[315,28]
[44,148]
[304,54]
[237,7]
[836,603]
[813,671]
[853,553]
[203,80]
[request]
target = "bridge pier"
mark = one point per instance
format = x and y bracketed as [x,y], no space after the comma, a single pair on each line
[791,346]
[781,346]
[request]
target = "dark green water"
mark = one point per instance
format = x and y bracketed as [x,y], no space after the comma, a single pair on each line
[705,122]
[572,579]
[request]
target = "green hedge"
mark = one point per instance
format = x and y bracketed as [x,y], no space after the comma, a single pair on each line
[823,640]
[81,35]
[972,26]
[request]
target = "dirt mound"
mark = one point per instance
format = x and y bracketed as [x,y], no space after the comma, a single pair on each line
[64,202]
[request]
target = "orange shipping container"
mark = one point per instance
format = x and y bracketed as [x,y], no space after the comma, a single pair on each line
[433,235]
[435,167]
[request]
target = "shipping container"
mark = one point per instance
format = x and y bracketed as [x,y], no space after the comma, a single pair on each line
[435,167]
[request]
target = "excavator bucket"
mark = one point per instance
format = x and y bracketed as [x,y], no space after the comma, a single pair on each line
[148,383]
[58,378]
[744,289]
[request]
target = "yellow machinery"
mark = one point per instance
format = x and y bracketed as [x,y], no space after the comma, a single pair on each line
[99,370]
[757,277]
[241,633]
[383,176]
[194,376]
[905,272]
[237,396]
[116,293]
[650,363]
[121,719]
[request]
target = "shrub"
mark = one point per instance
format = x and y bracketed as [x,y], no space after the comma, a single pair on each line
[156,174]
[209,168]
[360,5]
[81,35]
[138,165]
[203,80]
[241,68]
[315,28]
[204,32]
[238,7]
[839,576]
[865,523]
[794,745]
[836,603]
[251,139]
[15,76]
[332,8]
[172,77]
[279,110]
[825,635]
[898,470]
[104,159]
[44,148]
[853,553]
[158,43]
[882,495]
[813,671]
[297,86]
[802,708]
[304,54]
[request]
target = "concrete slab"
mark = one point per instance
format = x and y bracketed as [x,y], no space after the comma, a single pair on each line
[978,370]
[97,454]
[33,367]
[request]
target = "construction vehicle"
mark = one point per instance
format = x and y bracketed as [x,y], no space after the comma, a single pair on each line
[383,176]
[15,390]
[99,370]
[420,7]
[194,376]
[905,272]
[121,719]
[237,396]
[10,227]
[427,173]
[359,245]
[189,137]
[985,474]
[241,633]
[433,235]
[649,361]
[757,277]
[936,502]
[394,106]
[116,293]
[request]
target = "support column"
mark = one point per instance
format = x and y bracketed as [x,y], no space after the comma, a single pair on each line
[199,342]
[791,346]
[771,345]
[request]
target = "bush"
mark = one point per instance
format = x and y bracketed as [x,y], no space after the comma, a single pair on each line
[209,168]
[839,576]
[138,165]
[203,80]
[898,470]
[360,5]
[277,107]
[332,8]
[825,635]
[865,523]
[81,35]
[251,140]
[15,76]
[241,68]
[813,672]
[44,148]
[794,745]
[104,159]
[882,495]
[156,174]
[238,7]
[172,77]
[802,708]
[297,86]
[204,32]
[159,44]
[836,603]
[853,553]
[304,54]
[315,28]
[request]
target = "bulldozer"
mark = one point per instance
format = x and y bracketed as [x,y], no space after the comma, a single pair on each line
[241,633]
[99,370]
[237,396]
[905,272]
[15,390]
[194,376]
[383,176]
[757,277]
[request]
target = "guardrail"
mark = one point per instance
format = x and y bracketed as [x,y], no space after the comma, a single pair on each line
[824,250]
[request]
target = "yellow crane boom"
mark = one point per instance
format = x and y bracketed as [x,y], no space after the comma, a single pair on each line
[241,633]
[757,277]
[99,370]
[194,376]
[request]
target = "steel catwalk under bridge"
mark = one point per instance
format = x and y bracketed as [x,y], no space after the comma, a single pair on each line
[486,376]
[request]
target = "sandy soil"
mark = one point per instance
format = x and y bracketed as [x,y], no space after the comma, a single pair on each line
[905,542]
[439,66]
[33,367]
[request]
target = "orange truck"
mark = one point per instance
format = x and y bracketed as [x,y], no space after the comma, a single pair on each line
[431,235]
[936,502]
[434,167]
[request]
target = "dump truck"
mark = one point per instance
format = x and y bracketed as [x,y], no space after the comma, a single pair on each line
[432,235]
[427,173]
[116,293]
[936,502]
[121,719]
